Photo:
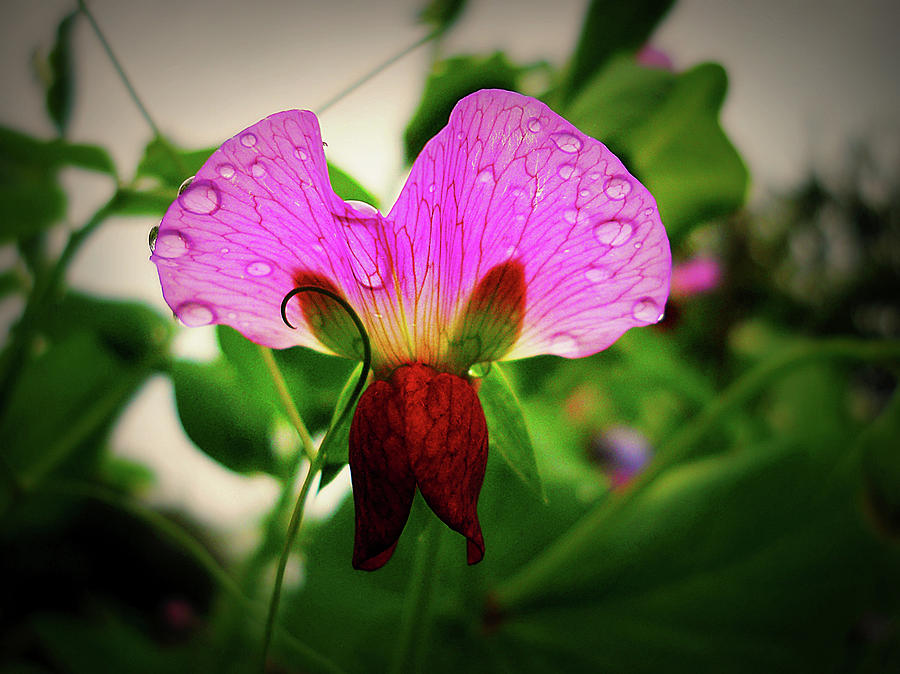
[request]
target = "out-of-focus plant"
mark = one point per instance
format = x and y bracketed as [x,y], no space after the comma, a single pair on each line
[761,536]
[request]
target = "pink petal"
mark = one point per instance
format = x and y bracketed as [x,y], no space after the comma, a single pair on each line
[259,215]
[509,180]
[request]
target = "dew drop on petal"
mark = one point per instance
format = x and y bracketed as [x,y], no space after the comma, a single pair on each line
[170,245]
[567,142]
[248,140]
[594,176]
[647,311]
[570,215]
[617,187]
[226,171]
[431,188]
[479,370]
[584,194]
[259,268]
[638,244]
[200,197]
[183,186]
[194,314]
[534,125]
[258,170]
[613,232]
[564,344]
[300,153]
[154,232]
[566,171]
[486,176]
[598,274]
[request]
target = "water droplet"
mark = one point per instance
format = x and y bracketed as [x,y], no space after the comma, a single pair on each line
[231,315]
[154,232]
[647,311]
[460,136]
[617,187]
[226,171]
[300,153]
[594,176]
[479,370]
[431,188]
[584,194]
[647,212]
[567,171]
[534,125]
[486,176]
[195,314]
[612,232]
[598,274]
[259,268]
[638,244]
[362,209]
[183,186]
[567,142]
[570,215]
[170,245]
[223,251]
[201,197]
[258,170]
[248,140]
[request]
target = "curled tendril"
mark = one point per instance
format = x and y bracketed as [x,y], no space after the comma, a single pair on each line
[367,346]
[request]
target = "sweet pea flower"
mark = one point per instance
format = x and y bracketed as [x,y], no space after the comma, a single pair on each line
[514,235]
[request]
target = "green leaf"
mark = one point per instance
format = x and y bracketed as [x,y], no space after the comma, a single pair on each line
[442,14]
[449,81]
[64,398]
[665,128]
[169,164]
[60,88]
[336,444]
[143,202]
[347,188]
[224,419]
[881,469]
[507,432]
[611,27]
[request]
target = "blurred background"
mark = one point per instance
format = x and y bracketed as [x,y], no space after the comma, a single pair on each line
[765,540]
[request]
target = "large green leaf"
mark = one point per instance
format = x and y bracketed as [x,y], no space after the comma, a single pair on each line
[665,128]
[507,432]
[449,81]
[611,27]
[230,423]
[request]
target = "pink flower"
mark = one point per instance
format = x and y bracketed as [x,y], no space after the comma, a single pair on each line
[695,276]
[515,235]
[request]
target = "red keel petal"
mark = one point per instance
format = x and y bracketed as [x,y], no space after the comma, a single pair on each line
[425,428]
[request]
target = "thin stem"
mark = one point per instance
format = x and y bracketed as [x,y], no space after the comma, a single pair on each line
[306,441]
[293,527]
[414,625]
[82,5]
[384,65]
[553,560]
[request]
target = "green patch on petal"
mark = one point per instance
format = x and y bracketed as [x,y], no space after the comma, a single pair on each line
[507,433]
[492,320]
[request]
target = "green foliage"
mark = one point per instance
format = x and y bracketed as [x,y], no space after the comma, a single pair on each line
[336,443]
[230,423]
[347,188]
[665,128]
[507,431]
[448,82]
[60,88]
[610,27]
[442,14]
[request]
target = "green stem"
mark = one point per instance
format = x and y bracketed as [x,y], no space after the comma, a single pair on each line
[572,545]
[293,527]
[306,441]
[414,625]
[132,92]
[384,65]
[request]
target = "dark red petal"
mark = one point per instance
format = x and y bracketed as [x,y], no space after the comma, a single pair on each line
[447,440]
[383,483]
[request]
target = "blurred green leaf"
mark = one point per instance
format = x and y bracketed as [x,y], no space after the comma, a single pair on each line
[449,81]
[347,188]
[442,14]
[227,421]
[610,27]
[61,88]
[143,202]
[10,282]
[336,444]
[665,128]
[881,469]
[29,190]
[507,431]
[63,398]
[171,165]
